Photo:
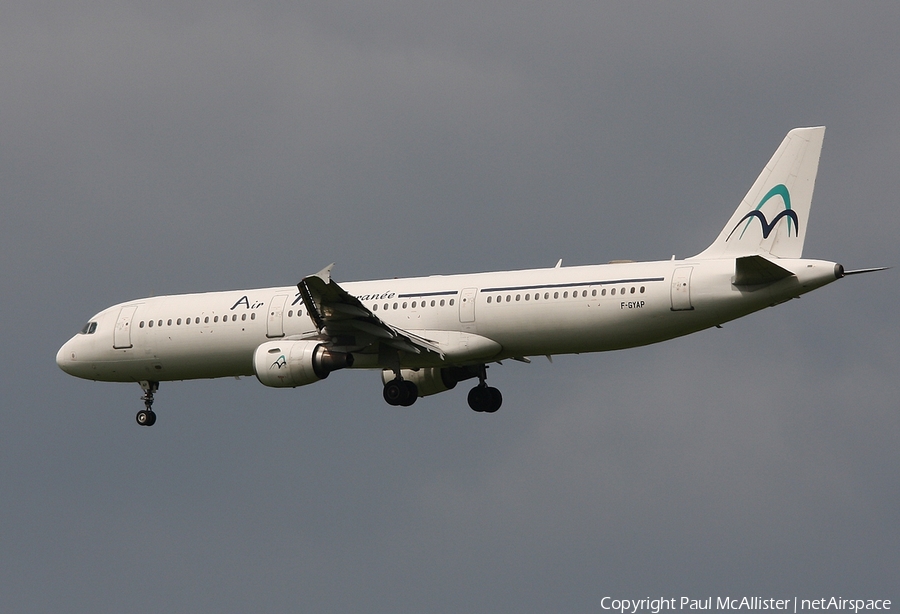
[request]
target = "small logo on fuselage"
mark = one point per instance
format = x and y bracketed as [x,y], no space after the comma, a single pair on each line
[281,362]
[767,226]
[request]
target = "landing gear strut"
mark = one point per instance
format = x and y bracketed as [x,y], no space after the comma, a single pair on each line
[400,392]
[146,417]
[484,398]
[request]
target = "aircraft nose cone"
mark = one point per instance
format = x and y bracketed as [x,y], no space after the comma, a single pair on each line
[64,358]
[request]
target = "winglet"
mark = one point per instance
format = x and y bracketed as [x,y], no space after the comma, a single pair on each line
[325,274]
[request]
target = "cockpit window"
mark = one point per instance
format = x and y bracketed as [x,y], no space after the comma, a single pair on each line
[89,329]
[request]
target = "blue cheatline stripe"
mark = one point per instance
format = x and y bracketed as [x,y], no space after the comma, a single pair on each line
[605,282]
[416,294]
[608,282]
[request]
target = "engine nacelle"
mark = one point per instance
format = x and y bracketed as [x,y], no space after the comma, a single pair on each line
[432,380]
[288,364]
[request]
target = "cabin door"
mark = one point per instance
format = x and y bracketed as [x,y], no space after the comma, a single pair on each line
[681,289]
[275,319]
[122,334]
[467,304]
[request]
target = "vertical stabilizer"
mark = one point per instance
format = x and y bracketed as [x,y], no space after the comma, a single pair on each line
[772,218]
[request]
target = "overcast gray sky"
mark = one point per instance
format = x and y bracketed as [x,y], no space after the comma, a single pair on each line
[151,148]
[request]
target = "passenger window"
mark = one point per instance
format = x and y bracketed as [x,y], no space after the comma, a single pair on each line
[556,295]
[243,317]
[565,295]
[488,299]
[141,324]
[613,292]
[234,318]
[290,313]
[642,289]
[253,316]
[375,307]
[546,295]
[442,302]
[432,303]
[594,292]
[451,302]
[632,289]
[216,319]
[150,323]
[178,322]
[603,292]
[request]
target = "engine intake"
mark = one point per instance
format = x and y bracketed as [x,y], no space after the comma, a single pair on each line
[288,364]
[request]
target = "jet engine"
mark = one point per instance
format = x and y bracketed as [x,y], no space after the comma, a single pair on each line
[288,364]
[432,380]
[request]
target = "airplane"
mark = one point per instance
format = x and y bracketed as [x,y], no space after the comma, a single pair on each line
[427,334]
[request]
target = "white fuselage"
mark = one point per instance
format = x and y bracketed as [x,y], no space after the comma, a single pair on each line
[475,318]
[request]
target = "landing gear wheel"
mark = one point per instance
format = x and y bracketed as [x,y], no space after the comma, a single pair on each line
[411,393]
[393,392]
[400,392]
[146,417]
[496,400]
[483,398]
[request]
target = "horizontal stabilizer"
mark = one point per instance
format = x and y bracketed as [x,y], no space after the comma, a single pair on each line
[756,270]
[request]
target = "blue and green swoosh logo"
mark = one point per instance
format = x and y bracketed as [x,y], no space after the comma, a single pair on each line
[767,226]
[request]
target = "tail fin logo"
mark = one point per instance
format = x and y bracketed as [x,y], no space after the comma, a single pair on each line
[767,227]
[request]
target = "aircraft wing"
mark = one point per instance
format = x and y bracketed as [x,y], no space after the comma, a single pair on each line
[343,320]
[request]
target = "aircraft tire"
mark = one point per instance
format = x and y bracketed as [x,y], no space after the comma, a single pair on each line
[395,392]
[479,398]
[146,417]
[410,393]
[496,400]
[484,398]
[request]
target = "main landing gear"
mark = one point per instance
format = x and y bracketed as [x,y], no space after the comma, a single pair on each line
[400,392]
[484,398]
[146,417]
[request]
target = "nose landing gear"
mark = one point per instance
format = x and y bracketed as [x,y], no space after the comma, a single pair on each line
[147,417]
